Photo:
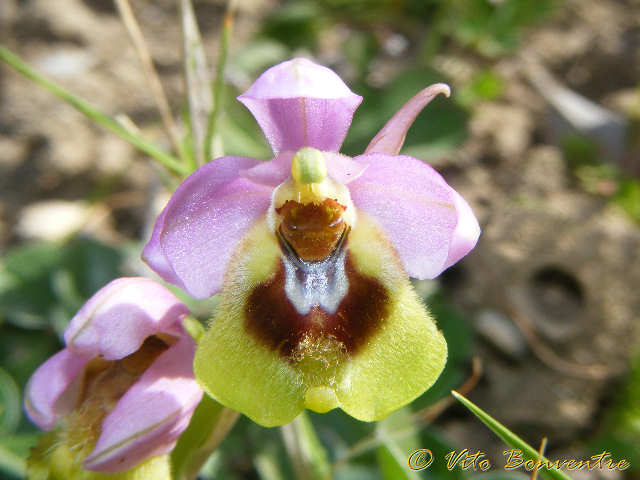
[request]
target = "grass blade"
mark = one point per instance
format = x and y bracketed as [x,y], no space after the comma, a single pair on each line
[84,107]
[159,95]
[510,438]
[197,80]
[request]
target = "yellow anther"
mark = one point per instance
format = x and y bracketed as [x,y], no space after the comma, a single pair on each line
[308,166]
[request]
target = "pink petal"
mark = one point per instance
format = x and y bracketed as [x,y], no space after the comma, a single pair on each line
[342,168]
[466,233]
[51,391]
[390,139]
[298,103]
[339,167]
[118,318]
[150,417]
[154,256]
[271,173]
[429,224]
[203,222]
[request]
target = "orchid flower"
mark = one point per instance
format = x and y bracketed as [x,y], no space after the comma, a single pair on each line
[312,253]
[123,387]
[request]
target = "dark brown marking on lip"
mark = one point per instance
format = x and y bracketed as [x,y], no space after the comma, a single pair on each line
[312,230]
[273,320]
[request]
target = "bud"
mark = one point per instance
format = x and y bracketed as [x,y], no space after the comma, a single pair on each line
[122,391]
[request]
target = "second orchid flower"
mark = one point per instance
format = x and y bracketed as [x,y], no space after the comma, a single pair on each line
[122,391]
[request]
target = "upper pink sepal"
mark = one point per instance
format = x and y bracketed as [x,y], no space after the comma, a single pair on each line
[49,394]
[390,139]
[201,225]
[150,417]
[429,224]
[118,318]
[301,104]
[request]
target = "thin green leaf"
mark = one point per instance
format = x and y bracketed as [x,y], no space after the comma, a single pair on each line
[10,404]
[153,80]
[84,107]
[218,86]
[510,438]
[197,79]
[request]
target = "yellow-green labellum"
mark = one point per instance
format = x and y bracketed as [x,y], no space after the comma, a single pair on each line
[346,330]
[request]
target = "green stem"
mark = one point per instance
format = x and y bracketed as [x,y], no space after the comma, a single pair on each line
[218,85]
[307,454]
[210,424]
[84,107]
[194,327]
[11,463]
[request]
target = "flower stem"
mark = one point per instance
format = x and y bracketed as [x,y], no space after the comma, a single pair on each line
[11,463]
[305,450]
[210,424]
[84,107]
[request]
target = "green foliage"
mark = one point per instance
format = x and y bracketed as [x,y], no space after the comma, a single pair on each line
[44,283]
[493,28]
[601,178]
[10,403]
[621,433]
[485,85]
[579,151]
[628,197]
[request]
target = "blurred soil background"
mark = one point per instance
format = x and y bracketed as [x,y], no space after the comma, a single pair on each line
[541,136]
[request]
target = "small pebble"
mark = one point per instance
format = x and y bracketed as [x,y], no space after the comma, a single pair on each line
[501,333]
